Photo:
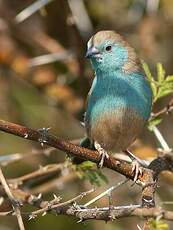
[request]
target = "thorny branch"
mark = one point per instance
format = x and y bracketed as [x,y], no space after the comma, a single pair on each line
[71,208]
[148,180]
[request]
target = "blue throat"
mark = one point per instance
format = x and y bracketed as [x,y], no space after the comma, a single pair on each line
[114,90]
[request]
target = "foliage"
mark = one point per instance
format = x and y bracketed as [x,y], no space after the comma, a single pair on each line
[158,225]
[161,86]
[88,170]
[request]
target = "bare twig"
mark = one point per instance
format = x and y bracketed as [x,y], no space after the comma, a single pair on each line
[166,110]
[70,208]
[42,171]
[105,193]
[13,200]
[11,158]
[81,17]
[49,58]
[161,139]
[27,12]
[57,205]
[54,183]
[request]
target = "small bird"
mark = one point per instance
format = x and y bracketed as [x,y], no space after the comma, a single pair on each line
[120,99]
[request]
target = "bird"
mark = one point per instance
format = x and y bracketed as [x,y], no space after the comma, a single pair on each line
[120,99]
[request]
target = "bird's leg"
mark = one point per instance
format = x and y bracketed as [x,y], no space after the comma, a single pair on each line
[102,153]
[136,163]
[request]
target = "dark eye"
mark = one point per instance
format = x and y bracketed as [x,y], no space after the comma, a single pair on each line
[108,48]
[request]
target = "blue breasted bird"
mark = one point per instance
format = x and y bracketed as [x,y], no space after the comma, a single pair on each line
[120,99]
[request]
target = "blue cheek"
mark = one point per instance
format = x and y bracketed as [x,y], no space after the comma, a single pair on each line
[113,59]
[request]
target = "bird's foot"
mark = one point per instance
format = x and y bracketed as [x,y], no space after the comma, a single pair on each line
[136,165]
[136,169]
[102,153]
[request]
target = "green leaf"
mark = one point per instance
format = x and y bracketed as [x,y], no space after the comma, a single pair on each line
[147,72]
[160,73]
[154,89]
[169,78]
[155,224]
[165,92]
[88,170]
[150,78]
[87,165]
[154,122]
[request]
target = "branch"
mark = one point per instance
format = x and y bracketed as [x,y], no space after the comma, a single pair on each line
[43,137]
[70,208]
[116,213]
[147,179]
[166,110]
[13,201]
[42,171]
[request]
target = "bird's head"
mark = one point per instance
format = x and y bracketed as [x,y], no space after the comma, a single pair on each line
[108,51]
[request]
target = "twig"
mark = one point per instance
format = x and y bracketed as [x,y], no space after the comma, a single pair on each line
[61,205]
[105,192]
[166,110]
[54,183]
[49,58]
[42,171]
[10,158]
[13,201]
[27,12]
[5,213]
[161,140]
[69,208]
[81,17]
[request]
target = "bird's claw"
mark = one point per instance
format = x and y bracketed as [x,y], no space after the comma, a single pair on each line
[102,153]
[136,169]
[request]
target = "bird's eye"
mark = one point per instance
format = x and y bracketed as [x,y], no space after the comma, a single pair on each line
[108,48]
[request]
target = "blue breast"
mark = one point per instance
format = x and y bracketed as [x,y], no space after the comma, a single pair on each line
[119,90]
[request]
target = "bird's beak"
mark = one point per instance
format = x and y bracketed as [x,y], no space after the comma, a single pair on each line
[92,52]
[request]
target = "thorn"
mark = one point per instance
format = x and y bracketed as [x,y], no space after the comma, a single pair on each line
[44,213]
[43,135]
[55,196]
[32,216]
[41,168]
[25,135]
[80,220]
[39,196]
[82,123]
[139,228]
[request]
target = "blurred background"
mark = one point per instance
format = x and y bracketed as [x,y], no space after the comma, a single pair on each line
[44,81]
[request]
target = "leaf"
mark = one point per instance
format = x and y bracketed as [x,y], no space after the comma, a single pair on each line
[147,71]
[164,93]
[154,89]
[87,165]
[150,79]
[160,73]
[88,170]
[155,224]
[169,78]
[153,123]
